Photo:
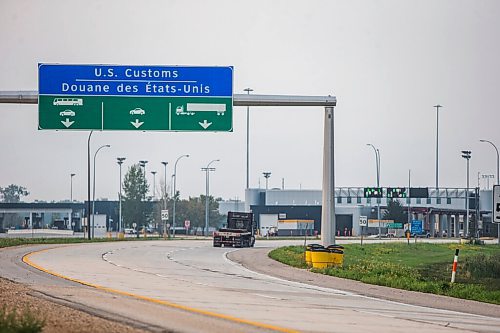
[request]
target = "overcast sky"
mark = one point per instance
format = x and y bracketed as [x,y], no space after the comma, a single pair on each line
[387,62]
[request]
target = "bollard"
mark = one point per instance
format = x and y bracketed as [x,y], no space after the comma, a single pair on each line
[454,269]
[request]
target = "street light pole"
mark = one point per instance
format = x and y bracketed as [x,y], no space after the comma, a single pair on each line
[207,193]
[498,179]
[437,144]
[248,90]
[154,184]
[266,175]
[467,155]
[143,165]
[175,194]
[71,187]
[120,222]
[93,188]
[377,161]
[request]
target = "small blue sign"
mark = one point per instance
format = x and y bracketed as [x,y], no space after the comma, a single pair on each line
[416,227]
[122,80]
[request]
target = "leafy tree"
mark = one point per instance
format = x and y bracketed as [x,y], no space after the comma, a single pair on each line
[135,207]
[395,211]
[193,210]
[13,193]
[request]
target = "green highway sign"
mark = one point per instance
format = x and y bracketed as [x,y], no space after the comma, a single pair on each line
[135,113]
[394,225]
[105,97]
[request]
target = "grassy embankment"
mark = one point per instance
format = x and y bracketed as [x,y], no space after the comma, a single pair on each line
[419,267]
[6,242]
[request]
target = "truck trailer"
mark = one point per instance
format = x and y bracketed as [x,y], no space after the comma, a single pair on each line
[239,232]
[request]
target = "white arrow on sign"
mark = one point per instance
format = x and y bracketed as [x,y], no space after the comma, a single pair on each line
[67,123]
[137,123]
[205,124]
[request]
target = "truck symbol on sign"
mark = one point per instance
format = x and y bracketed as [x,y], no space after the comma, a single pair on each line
[68,101]
[193,108]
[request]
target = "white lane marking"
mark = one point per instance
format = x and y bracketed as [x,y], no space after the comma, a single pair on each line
[294,283]
[267,296]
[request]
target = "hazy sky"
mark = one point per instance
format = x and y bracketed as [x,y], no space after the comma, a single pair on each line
[387,62]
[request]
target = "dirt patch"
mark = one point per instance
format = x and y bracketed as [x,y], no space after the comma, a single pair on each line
[58,318]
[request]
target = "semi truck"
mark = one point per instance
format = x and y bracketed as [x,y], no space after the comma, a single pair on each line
[239,232]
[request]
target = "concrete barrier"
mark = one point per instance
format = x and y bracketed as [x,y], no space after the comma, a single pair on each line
[23,232]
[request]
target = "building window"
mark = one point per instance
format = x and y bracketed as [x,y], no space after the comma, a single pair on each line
[339,200]
[408,201]
[368,200]
[438,201]
[358,200]
[349,200]
[428,201]
[448,201]
[419,201]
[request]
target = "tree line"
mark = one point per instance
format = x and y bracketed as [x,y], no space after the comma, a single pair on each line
[138,208]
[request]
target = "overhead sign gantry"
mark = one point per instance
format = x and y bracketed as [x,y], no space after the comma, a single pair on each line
[144,98]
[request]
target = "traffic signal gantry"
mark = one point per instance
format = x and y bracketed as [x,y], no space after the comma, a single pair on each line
[396,192]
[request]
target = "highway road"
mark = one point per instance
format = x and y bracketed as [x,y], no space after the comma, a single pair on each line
[189,286]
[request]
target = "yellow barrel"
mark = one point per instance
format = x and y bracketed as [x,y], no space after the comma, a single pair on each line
[337,257]
[309,249]
[121,235]
[321,258]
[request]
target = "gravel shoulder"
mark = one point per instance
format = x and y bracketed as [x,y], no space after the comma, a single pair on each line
[58,318]
[257,259]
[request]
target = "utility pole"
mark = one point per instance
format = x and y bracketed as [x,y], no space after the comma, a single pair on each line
[207,170]
[437,144]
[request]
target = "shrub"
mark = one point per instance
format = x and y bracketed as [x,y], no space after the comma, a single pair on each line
[14,322]
[482,266]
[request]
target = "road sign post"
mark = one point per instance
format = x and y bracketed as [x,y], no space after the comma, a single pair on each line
[141,98]
[363,221]
[496,205]
[164,219]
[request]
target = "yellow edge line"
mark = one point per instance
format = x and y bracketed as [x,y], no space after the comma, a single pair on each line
[26,260]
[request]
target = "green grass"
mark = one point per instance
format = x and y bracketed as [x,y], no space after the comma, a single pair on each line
[6,242]
[419,267]
[14,322]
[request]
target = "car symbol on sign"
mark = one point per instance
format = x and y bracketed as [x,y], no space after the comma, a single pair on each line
[137,111]
[69,113]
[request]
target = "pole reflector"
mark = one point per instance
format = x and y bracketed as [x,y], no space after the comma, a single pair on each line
[454,269]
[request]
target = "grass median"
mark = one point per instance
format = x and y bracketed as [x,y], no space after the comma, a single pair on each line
[420,267]
[7,242]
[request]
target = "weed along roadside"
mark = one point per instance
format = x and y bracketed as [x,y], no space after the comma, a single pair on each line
[420,267]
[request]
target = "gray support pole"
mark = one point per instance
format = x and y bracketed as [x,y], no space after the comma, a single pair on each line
[328,225]
[207,175]
[120,227]
[89,211]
